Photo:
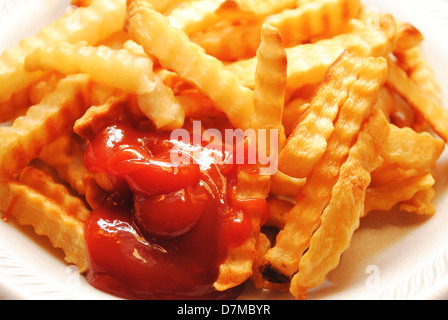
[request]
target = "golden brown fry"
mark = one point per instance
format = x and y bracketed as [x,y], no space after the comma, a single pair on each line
[298,25]
[45,184]
[278,211]
[341,217]
[253,9]
[282,261]
[308,141]
[408,37]
[97,117]
[412,150]
[134,71]
[163,41]
[252,183]
[30,207]
[414,62]
[96,22]
[270,84]
[284,185]
[421,203]
[433,112]
[385,197]
[193,16]
[308,63]
[42,124]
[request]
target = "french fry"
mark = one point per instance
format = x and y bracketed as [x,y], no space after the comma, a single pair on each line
[308,141]
[45,184]
[308,63]
[25,139]
[282,260]
[421,203]
[163,41]
[296,26]
[193,16]
[66,58]
[278,211]
[408,37]
[433,113]
[269,98]
[412,150]
[284,185]
[413,62]
[385,197]
[30,207]
[97,117]
[96,22]
[269,92]
[341,217]
[253,9]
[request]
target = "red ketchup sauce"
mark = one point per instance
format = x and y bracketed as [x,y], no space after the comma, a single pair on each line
[166,227]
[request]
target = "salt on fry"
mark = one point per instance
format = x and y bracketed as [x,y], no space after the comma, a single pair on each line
[282,260]
[25,139]
[341,217]
[163,41]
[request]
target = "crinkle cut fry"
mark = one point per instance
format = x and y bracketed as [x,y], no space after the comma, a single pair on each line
[296,26]
[253,183]
[341,217]
[101,19]
[42,124]
[282,260]
[308,63]
[432,111]
[30,207]
[308,141]
[159,39]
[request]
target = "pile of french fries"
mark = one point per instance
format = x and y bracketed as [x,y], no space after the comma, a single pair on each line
[357,104]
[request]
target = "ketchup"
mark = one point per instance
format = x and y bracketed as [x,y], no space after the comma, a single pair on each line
[166,227]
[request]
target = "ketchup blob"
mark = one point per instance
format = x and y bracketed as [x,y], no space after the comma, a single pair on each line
[166,227]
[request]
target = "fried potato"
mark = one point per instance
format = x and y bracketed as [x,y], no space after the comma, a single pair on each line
[163,41]
[308,141]
[48,218]
[308,63]
[341,217]
[298,25]
[413,61]
[101,19]
[282,260]
[385,197]
[270,84]
[193,16]
[133,71]
[25,139]
[252,183]
[45,184]
[433,113]
[252,9]
[412,150]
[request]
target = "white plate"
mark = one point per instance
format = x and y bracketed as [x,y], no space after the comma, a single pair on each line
[393,255]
